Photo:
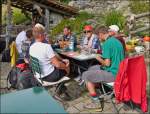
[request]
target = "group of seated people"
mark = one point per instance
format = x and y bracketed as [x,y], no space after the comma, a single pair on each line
[54,67]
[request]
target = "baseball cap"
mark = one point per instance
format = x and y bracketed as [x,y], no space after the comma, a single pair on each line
[88,28]
[113,28]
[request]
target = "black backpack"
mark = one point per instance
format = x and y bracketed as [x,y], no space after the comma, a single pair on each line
[21,79]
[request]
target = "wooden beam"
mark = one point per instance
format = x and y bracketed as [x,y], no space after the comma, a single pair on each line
[140,30]
[9,23]
[50,8]
[142,15]
[18,6]
[47,16]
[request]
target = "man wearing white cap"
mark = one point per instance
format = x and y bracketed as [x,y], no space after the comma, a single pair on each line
[114,31]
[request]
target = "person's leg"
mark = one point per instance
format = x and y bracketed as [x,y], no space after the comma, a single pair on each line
[95,67]
[92,91]
[92,77]
[56,75]
[96,76]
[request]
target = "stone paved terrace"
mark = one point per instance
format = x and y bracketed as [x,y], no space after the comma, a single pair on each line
[79,94]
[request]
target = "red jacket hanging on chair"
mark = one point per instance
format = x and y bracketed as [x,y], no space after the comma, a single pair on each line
[131,81]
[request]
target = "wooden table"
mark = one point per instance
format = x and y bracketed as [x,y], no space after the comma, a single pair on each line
[33,100]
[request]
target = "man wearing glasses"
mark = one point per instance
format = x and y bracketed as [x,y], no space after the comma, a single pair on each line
[91,40]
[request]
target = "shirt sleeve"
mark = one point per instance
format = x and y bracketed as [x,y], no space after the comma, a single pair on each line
[49,51]
[106,54]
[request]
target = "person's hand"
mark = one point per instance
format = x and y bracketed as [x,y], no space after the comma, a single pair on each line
[67,63]
[98,57]
[26,60]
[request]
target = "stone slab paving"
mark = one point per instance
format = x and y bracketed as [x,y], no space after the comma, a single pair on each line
[77,105]
[79,94]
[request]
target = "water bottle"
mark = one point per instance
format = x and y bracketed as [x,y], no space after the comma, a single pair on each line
[72,44]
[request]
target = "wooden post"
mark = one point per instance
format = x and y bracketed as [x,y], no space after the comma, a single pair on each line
[9,23]
[47,18]
[0,17]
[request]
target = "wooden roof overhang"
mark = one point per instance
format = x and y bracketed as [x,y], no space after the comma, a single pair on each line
[52,5]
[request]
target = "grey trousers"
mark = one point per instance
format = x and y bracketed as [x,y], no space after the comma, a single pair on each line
[95,75]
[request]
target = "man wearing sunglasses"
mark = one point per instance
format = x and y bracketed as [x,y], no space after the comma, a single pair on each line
[90,43]
[91,40]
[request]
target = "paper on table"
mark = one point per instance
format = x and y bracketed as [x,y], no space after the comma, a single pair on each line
[83,56]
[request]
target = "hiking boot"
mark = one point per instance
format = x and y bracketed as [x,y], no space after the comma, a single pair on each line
[95,105]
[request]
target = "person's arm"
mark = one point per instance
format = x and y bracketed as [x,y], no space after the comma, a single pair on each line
[57,62]
[106,55]
[104,62]
[64,64]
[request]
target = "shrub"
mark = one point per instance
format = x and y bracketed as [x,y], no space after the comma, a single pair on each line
[139,6]
[76,24]
[17,18]
[114,18]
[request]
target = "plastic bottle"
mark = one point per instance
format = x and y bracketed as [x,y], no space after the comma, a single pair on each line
[72,44]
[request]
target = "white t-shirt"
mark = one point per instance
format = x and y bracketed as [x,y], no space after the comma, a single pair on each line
[43,52]
[19,40]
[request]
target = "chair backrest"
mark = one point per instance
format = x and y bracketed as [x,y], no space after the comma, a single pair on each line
[130,83]
[35,65]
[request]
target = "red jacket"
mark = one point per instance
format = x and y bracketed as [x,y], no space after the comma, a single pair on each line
[130,83]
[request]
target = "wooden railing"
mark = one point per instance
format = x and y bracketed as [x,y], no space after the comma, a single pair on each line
[132,22]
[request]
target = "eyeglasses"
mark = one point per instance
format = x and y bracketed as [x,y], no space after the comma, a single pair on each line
[87,32]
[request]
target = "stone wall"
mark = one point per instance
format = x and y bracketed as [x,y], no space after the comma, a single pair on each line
[55,18]
[100,6]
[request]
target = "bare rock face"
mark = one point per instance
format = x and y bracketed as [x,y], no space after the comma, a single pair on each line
[99,6]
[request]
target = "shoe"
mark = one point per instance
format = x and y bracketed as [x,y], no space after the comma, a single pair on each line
[95,105]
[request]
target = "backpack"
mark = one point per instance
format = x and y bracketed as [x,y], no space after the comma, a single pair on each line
[21,79]
[6,56]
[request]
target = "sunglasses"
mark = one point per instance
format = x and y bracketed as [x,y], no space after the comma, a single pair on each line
[87,32]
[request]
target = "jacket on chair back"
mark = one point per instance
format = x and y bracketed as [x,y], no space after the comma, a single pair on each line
[130,83]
